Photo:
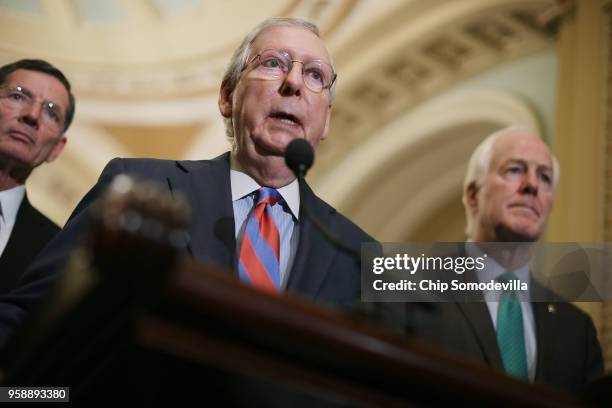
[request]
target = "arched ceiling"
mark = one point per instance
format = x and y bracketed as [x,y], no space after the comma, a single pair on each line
[144,48]
[418,51]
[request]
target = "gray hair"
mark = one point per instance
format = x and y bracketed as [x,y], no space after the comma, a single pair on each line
[479,164]
[240,58]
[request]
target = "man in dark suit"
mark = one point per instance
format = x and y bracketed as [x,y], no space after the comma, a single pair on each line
[508,195]
[278,87]
[36,109]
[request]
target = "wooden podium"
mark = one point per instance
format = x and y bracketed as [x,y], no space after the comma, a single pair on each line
[133,319]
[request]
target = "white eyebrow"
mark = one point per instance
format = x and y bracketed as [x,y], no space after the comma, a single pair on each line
[523,161]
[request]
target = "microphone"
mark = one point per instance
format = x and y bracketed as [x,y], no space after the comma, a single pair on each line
[299,157]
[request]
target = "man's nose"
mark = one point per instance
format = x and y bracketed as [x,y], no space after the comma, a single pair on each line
[530,183]
[293,83]
[30,114]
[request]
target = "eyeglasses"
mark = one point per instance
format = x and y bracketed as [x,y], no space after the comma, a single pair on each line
[19,97]
[275,64]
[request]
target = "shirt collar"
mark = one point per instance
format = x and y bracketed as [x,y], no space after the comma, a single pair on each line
[10,200]
[494,270]
[242,185]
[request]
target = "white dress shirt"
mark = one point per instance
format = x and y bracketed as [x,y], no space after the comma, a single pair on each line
[10,200]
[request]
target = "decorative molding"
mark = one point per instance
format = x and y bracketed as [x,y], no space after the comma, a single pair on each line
[142,55]
[552,17]
[402,68]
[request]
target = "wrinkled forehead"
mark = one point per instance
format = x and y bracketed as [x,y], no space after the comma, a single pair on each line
[520,147]
[300,42]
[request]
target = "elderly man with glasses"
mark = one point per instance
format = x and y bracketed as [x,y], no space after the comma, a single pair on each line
[247,205]
[36,108]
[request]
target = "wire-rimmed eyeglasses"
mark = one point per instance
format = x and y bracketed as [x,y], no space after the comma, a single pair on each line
[274,64]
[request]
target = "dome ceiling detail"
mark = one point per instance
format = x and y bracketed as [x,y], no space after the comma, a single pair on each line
[143,48]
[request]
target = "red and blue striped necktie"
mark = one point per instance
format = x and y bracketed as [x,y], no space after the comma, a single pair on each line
[259,259]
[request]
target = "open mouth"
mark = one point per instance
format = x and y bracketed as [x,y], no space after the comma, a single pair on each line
[286,118]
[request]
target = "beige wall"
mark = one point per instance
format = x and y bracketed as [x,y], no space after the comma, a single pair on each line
[583,141]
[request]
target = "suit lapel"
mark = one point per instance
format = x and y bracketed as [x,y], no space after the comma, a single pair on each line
[27,238]
[314,254]
[545,322]
[207,187]
[478,317]
[13,257]
[25,226]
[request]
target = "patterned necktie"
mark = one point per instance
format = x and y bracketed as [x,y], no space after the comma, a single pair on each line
[510,332]
[259,258]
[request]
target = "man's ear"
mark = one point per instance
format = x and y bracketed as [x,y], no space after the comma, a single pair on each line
[225,101]
[470,196]
[57,149]
[327,121]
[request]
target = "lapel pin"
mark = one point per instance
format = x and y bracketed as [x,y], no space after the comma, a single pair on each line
[552,308]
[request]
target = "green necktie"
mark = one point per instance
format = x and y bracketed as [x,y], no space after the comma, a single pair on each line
[510,336]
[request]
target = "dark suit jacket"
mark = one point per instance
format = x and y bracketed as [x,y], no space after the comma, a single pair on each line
[319,272]
[31,232]
[568,354]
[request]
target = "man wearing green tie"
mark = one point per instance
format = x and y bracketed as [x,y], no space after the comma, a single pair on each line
[508,194]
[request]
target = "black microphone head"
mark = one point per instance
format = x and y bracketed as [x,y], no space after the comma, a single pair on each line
[299,156]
